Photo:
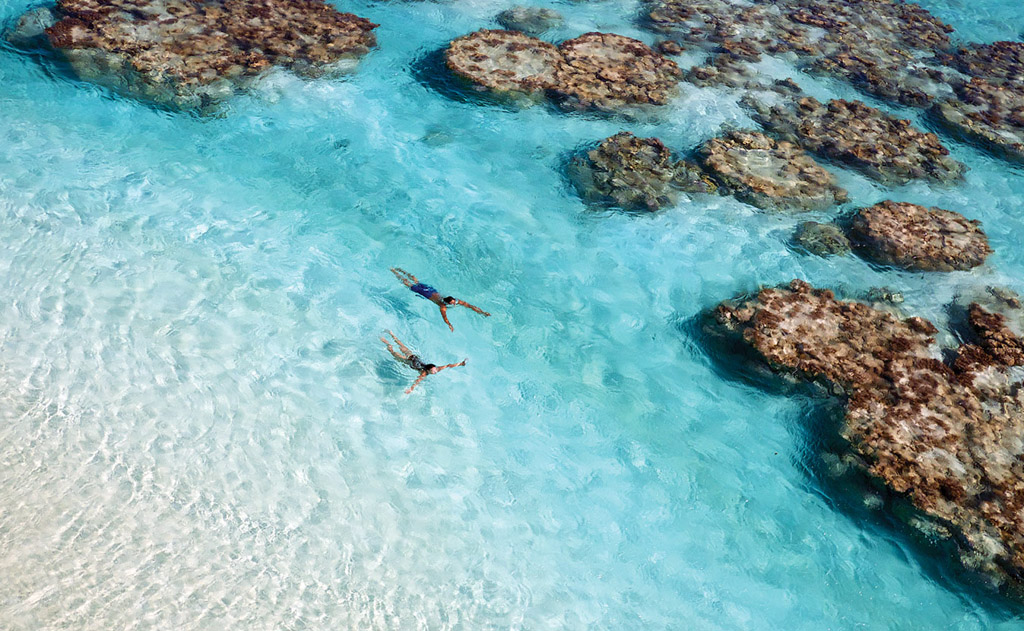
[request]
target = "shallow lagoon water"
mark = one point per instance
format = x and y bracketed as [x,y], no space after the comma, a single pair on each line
[199,428]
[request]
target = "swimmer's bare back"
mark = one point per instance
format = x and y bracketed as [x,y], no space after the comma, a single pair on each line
[410,359]
[433,295]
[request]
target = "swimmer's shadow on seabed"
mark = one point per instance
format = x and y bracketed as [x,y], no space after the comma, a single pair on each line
[842,486]
[393,375]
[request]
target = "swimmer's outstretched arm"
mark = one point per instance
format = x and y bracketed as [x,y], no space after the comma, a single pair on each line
[444,314]
[407,279]
[461,363]
[416,383]
[469,306]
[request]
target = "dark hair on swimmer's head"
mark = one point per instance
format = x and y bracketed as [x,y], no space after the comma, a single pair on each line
[429,367]
[449,300]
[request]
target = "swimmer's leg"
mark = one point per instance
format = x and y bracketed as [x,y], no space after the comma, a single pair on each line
[392,350]
[407,279]
[405,349]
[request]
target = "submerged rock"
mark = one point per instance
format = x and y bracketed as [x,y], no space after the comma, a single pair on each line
[728,71]
[1004,296]
[950,442]
[1000,333]
[596,71]
[810,334]
[885,47]
[635,174]
[883,147]
[917,238]
[988,108]
[505,62]
[189,53]
[822,239]
[30,29]
[894,75]
[669,47]
[989,114]
[530,20]
[998,62]
[769,174]
[884,295]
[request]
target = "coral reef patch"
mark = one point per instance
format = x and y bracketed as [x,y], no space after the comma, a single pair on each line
[769,174]
[881,146]
[189,54]
[917,238]
[507,63]
[529,20]
[635,174]
[595,71]
[821,239]
[884,47]
[948,439]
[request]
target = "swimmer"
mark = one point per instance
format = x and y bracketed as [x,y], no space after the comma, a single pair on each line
[413,361]
[433,295]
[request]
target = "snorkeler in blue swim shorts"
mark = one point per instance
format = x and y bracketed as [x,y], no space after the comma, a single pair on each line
[433,295]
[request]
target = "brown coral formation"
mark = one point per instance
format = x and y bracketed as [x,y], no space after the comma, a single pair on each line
[917,238]
[769,174]
[997,335]
[987,113]
[530,20]
[882,46]
[988,108]
[635,174]
[505,62]
[822,239]
[605,71]
[891,49]
[596,71]
[999,62]
[883,147]
[187,53]
[897,76]
[949,442]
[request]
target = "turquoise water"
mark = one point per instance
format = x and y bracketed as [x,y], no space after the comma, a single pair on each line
[199,428]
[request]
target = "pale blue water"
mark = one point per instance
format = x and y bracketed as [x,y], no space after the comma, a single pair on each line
[199,428]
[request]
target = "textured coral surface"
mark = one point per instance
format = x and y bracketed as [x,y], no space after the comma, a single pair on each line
[635,173]
[186,53]
[950,440]
[595,71]
[768,173]
[919,238]
[882,146]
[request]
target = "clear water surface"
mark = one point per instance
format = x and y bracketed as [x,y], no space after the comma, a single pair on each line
[199,428]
